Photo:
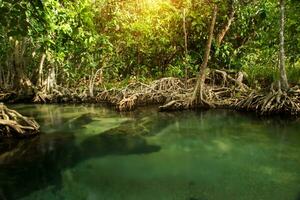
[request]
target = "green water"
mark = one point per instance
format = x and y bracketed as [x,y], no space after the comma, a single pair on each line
[91,153]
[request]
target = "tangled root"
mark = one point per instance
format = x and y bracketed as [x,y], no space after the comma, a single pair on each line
[227,80]
[127,103]
[5,96]
[168,84]
[274,102]
[137,94]
[13,124]
[175,105]
[41,97]
[172,93]
[60,95]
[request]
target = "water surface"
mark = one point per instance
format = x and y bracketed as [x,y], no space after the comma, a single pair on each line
[91,153]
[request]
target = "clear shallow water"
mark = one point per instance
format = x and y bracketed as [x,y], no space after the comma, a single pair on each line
[90,152]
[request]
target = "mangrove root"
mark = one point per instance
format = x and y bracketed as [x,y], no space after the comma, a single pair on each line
[175,94]
[61,95]
[175,105]
[137,94]
[273,102]
[13,124]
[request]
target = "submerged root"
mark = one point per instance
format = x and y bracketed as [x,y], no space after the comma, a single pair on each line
[13,124]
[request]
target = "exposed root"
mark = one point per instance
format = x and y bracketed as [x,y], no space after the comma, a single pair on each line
[175,105]
[273,102]
[222,89]
[137,94]
[61,95]
[227,79]
[13,124]
[41,97]
[223,93]
[5,96]
[171,93]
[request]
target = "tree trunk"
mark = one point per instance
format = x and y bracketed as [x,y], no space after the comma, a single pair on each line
[40,74]
[1,78]
[185,46]
[21,82]
[17,67]
[283,76]
[198,91]
[92,81]
[51,79]
[227,25]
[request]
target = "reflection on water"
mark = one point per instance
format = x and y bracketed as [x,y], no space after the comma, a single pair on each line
[90,152]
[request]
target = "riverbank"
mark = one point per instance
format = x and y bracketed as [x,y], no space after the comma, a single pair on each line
[222,90]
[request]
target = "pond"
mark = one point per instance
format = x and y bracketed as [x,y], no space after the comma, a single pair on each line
[90,152]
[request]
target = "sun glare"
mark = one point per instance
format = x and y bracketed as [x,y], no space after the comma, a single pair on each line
[153,3]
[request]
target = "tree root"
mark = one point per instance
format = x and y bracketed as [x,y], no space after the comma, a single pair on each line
[137,94]
[226,80]
[172,94]
[5,96]
[274,102]
[41,97]
[175,105]
[61,95]
[13,124]
[221,89]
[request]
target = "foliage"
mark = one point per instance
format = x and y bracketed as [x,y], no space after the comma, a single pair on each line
[141,39]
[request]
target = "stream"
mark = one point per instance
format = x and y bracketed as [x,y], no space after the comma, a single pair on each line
[90,152]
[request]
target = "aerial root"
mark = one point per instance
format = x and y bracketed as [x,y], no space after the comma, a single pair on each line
[14,124]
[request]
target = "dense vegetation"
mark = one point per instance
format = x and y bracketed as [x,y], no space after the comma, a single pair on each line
[53,44]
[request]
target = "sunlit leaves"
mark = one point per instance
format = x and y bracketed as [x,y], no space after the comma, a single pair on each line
[144,37]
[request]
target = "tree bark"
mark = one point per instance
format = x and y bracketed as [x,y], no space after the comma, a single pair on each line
[17,67]
[283,76]
[225,29]
[198,91]
[92,81]
[51,79]
[185,45]
[40,74]
[1,77]
[21,82]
